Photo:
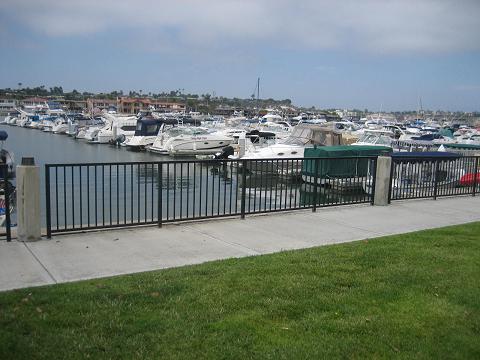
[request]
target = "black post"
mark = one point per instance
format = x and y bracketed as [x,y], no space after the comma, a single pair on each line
[160,195]
[6,192]
[47,198]
[390,185]
[315,181]
[244,180]
[475,172]
[436,181]
[374,181]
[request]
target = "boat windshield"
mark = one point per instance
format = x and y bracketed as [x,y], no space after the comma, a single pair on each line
[299,137]
[176,131]
[375,139]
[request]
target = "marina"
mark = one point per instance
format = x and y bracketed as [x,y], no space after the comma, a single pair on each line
[123,170]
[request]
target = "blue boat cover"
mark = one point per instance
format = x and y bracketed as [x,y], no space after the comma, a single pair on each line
[3,135]
[425,154]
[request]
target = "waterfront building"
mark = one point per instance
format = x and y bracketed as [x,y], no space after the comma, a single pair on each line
[73,105]
[33,102]
[94,105]
[7,105]
[127,105]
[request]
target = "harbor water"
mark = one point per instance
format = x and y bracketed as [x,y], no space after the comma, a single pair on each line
[126,190]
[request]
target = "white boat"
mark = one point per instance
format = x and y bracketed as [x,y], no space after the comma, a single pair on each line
[145,134]
[272,117]
[191,141]
[90,134]
[268,159]
[60,126]
[116,129]
[301,136]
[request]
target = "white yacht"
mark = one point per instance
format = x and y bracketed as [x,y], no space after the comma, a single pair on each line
[190,141]
[117,128]
[292,147]
[89,134]
[60,126]
[146,133]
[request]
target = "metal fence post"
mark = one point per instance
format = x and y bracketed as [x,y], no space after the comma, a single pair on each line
[390,186]
[6,192]
[374,182]
[315,180]
[475,172]
[160,195]
[244,180]
[436,181]
[48,202]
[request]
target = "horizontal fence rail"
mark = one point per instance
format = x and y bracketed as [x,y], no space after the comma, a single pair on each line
[106,195]
[416,178]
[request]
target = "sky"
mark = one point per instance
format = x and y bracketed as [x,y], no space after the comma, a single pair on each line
[374,54]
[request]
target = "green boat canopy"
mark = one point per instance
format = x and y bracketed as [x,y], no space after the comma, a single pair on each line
[446,133]
[331,167]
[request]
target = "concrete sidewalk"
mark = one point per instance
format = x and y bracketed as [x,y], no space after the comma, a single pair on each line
[98,254]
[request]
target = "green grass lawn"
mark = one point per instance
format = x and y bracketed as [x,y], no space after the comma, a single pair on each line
[408,296]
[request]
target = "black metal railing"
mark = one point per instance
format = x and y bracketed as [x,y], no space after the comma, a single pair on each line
[7,201]
[106,195]
[424,177]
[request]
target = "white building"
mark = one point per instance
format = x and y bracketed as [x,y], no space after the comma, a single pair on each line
[7,105]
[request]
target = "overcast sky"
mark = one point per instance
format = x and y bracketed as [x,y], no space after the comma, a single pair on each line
[375,54]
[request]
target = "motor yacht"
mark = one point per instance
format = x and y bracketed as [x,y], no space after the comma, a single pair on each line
[191,141]
[117,129]
[146,133]
[302,136]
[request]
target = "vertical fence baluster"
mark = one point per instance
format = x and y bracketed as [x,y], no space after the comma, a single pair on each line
[160,195]
[117,199]
[194,189]
[56,199]
[435,188]
[125,194]
[315,184]
[475,175]
[110,193]
[48,204]
[168,190]
[131,195]
[200,191]
[145,195]
[244,180]
[152,179]
[174,191]
[188,188]
[80,195]
[96,199]
[88,196]
[103,194]
[138,194]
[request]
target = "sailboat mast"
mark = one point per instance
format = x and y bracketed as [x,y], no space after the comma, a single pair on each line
[258,96]
[258,89]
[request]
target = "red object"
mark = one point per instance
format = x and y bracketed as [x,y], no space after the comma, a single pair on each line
[469,179]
